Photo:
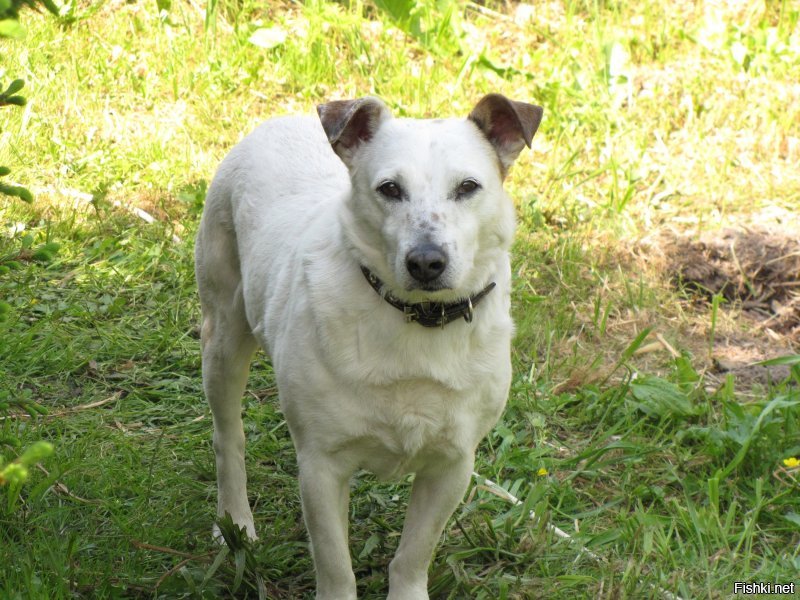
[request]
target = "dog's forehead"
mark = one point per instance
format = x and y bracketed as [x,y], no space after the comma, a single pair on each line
[425,145]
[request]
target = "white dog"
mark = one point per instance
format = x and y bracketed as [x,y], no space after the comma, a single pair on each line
[369,257]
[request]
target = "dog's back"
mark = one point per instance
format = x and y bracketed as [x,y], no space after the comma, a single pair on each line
[259,208]
[264,181]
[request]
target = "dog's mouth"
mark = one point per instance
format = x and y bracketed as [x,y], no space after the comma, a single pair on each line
[412,291]
[440,289]
[431,286]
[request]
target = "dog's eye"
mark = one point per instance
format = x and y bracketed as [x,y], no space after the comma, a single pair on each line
[391,190]
[467,187]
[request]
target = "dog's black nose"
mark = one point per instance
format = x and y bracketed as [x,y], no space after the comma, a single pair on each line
[426,262]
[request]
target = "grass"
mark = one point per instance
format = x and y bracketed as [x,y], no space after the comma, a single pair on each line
[656,115]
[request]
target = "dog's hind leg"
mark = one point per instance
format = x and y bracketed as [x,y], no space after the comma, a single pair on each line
[228,347]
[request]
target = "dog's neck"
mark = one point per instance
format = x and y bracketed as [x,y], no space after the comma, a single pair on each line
[429,314]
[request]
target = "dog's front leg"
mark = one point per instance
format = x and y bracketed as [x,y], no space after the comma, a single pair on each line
[434,496]
[325,492]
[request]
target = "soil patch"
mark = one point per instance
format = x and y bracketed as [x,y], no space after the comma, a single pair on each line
[740,356]
[753,263]
[757,268]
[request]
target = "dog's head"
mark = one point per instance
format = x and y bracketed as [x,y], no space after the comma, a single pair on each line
[428,214]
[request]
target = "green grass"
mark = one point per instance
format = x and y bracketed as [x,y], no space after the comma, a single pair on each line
[654,116]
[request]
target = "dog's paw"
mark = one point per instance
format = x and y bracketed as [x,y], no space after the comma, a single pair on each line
[407,591]
[408,595]
[234,534]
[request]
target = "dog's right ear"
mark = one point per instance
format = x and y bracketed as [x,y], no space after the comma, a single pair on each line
[350,123]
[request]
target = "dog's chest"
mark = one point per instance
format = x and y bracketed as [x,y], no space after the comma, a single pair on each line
[412,422]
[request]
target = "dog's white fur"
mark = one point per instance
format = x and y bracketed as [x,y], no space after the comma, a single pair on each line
[286,227]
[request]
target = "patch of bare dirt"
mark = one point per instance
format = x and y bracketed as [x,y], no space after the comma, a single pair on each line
[740,356]
[758,268]
[754,264]
[754,267]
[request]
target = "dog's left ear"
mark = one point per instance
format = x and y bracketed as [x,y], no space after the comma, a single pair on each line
[507,124]
[350,123]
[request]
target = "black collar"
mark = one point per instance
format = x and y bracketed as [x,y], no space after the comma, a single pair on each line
[429,314]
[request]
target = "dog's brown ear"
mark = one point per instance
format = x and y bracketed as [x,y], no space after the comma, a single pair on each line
[507,124]
[350,123]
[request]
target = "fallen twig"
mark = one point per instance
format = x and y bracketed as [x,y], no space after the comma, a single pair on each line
[60,413]
[63,489]
[165,550]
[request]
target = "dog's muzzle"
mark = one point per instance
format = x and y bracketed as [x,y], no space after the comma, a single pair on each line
[429,314]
